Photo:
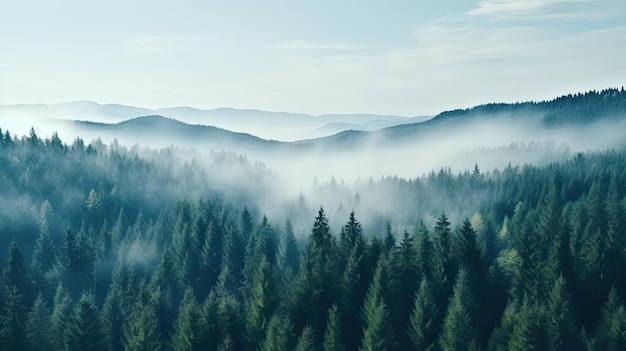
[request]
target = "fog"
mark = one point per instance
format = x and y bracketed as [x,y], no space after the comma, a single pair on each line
[286,180]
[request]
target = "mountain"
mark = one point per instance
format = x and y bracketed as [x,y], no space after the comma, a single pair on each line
[268,125]
[162,131]
[568,111]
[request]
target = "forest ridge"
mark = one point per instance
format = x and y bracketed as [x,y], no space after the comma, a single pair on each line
[116,248]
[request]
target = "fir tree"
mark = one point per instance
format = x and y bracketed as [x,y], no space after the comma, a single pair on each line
[38,325]
[422,322]
[83,329]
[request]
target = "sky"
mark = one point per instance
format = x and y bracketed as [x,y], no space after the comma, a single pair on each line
[407,58]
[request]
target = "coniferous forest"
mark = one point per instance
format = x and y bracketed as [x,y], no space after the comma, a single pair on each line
[106,248]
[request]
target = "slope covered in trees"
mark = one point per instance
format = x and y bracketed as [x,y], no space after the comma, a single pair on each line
[97,257]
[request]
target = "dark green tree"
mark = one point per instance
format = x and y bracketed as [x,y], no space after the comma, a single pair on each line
[458,332]
[83,329]
[279,336]
[333,340]
[422,330]
[38,325]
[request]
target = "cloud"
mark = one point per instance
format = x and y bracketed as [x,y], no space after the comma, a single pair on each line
[545,9]
[167,44]
[303,45]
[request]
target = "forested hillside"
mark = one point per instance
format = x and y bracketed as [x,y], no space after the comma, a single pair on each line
[105,249]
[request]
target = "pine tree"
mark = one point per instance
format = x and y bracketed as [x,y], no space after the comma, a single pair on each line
[306,340]
[43,258]
[189,330]
[12,331]
[611,331]
[114,317]
[60,314]
[15,274]
[83,329]
[422,328]
[279,336]
[561,320]
[458,332]
[529,328]
[443,266]
[261,303]
[332,336]
[38,325]
[142,333]
[377,330]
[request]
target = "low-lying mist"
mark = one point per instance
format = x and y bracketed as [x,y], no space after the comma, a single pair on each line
[287,180]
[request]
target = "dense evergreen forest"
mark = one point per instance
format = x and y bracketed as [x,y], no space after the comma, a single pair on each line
[105,248]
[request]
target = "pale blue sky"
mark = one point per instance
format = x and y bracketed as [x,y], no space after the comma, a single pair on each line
[386,57]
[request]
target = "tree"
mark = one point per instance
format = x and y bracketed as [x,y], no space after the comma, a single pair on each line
[422,328]
[279,336]
[38,325]
[332,336]
[306,341]
[15,274]
[12,332]
[189,330]
[377,329]
[114,317]
[60,315]
[443,266]
[458,332]
[43,258]
[142,334]
[561,320]
[83,330]
[611,331]
[262,302]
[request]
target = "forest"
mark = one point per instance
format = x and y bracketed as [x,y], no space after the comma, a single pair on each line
[105,247]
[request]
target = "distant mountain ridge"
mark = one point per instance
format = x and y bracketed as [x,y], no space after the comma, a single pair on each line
[268,125]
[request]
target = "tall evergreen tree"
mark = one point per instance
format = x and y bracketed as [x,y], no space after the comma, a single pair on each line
[333,340]
[83,329]
[142,333]
[458,332]
[279,336]
[189,330]
[377,329]
[12,331]
[422,328]
[38,325]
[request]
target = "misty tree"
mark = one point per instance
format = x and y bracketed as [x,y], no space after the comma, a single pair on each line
[38,327]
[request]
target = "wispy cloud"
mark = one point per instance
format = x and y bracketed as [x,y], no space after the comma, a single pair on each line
[167,44]
[303,45]
[546,9]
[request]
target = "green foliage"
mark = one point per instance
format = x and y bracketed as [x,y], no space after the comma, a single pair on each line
[530,269]
[422,329]
[38,325]
[279,336]
[83,329]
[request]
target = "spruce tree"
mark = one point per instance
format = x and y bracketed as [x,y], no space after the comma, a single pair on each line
[38,325]
[279,335]
[458,332]
[377,329]
[422,328]
[333,336]
[142,333]
[306,340]
[12,331]
[83,329]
